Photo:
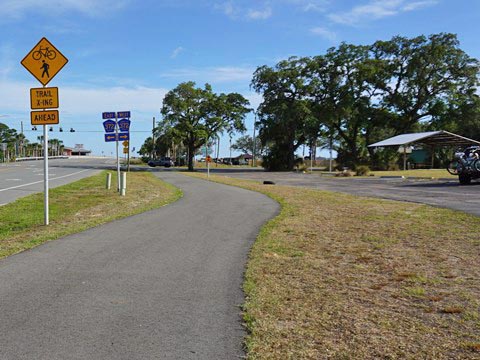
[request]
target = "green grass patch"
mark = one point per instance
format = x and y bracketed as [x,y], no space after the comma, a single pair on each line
[78,206]
[376,279]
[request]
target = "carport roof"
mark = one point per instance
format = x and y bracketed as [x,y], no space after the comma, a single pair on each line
[431,138]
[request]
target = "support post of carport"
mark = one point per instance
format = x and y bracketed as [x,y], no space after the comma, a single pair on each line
[433,156]
[404,157]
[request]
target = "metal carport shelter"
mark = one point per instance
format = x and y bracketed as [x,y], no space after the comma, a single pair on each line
[430,138]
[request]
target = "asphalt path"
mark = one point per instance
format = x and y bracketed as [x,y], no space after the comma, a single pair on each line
[24,178]
[441,193]
[165,284]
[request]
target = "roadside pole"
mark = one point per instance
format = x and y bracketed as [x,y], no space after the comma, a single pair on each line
[118,159]
[116,130]
[44,61]
[45,174]
[313,149]
[128,157]
[254,142]
[153,139]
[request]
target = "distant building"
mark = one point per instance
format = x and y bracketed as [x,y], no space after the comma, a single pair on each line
[78,150]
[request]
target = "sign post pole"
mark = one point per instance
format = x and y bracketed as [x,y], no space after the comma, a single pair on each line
[128,157]
[45,172]
[44,61]
[118,159]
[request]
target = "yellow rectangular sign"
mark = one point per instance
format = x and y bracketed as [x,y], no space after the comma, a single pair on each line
[125,150]
[44,98]
[49,117]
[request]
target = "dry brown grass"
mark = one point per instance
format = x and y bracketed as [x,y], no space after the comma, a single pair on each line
[342,277]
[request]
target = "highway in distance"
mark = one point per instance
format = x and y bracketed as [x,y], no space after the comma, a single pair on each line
[26,177]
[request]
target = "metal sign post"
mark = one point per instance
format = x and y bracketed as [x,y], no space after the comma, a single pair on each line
[118,158]
[44,61]
[112,127]
[45,174]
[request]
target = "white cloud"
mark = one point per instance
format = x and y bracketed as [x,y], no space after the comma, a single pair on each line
[177,52]
[228,9]
[419,5]
[310,5]
[213,74]
[79,101]
[325,33]
[233,11]
[259,14]
[378,9]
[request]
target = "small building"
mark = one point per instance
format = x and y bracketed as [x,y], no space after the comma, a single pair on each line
[78,150]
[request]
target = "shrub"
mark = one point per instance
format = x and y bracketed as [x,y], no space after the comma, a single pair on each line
[344,173]
[362,170]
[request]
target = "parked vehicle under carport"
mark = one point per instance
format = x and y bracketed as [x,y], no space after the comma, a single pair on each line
[466,165]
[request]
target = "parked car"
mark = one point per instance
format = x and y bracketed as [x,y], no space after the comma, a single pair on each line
[165,161]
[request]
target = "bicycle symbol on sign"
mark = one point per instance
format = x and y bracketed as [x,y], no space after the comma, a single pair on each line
[45,52]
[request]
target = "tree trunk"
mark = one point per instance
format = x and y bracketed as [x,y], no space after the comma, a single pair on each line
[191,154]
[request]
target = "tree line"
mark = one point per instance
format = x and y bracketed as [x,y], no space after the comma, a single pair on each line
[17,145]
[349,97]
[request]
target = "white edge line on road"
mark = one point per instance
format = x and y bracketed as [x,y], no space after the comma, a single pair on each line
[37,182]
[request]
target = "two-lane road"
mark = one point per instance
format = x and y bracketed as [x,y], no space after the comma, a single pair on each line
[25,178]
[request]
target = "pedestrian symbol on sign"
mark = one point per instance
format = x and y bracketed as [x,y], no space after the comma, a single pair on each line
[45,68]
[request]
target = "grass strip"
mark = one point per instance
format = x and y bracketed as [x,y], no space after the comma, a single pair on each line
[336,276]
[78,206]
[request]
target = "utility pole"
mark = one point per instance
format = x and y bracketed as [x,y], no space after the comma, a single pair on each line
[331,157]
[153,139]
[218,149]
[231,160]
[254,140]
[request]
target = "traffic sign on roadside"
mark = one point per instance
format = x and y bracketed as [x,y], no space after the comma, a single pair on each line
[108,115]
[49,117]
[109,126]
[44,98]
[110,137]
[125,150]
[117,137]
[44,61]
[123,114]
[124,125]
[123,136]
[125,143]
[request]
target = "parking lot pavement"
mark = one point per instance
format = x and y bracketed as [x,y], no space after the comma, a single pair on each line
[441,193]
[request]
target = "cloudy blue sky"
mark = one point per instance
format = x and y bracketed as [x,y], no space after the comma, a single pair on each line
[125,54]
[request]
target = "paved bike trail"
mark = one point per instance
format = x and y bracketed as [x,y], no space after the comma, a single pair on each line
[165,284]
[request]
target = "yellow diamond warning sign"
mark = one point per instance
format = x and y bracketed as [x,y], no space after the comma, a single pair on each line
[44,98]
[49,117]
[44,61]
